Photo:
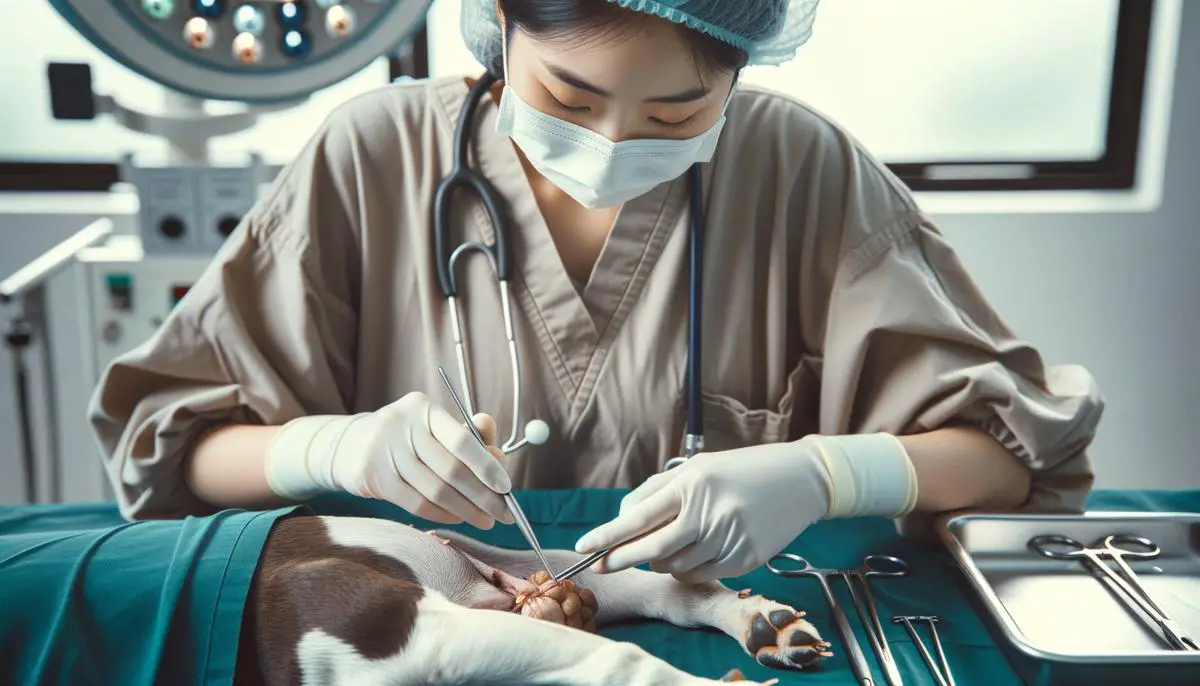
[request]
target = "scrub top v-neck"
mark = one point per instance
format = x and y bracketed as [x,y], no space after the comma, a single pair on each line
[832,305]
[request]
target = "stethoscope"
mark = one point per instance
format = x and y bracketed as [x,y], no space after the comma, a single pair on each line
[500,254]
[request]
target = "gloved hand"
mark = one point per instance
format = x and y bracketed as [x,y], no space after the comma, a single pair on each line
[411,453]
[721,515]
[717,515]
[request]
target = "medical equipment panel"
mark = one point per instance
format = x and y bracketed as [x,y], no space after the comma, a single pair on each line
[1063,622]
[125,297]
[192,209]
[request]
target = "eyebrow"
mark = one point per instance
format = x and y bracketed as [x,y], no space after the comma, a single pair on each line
[570,79]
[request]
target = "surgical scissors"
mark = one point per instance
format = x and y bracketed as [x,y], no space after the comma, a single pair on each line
[1058,547]
[873,565]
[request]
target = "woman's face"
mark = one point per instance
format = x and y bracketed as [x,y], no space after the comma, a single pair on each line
[641,83]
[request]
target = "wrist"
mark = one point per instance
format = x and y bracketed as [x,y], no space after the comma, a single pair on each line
[869,475]
[301,457]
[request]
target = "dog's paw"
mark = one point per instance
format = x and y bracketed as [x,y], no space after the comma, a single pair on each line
[736,676]
[779,637]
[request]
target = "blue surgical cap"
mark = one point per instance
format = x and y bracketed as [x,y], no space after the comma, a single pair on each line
[769,31]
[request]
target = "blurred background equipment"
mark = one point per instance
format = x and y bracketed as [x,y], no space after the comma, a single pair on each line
[270,55]
[222,67]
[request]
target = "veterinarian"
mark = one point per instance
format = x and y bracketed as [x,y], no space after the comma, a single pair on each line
[851,366]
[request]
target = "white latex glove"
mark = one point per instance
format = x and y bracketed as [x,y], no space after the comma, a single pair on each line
[721,515]
[411,453]
[718,515]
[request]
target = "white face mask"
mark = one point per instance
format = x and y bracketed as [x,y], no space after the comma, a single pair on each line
[589,167]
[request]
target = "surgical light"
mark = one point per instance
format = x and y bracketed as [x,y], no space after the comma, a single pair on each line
[251,51]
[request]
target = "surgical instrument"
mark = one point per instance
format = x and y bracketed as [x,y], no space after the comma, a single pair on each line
[1059,547]
[941,670]
[876,565]
[518,514]
[873,565]
[586,562]
[583,564]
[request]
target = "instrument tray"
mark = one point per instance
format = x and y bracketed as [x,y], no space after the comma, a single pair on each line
[1057,622]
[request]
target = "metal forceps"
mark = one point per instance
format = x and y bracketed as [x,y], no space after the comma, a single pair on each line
[509,499]
[513,506]
[940,669]
[1058,547]
[873,565]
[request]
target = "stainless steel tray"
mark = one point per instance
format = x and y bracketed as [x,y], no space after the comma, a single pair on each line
[1057,622]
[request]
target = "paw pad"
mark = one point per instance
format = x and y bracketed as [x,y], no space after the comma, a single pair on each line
[783,639]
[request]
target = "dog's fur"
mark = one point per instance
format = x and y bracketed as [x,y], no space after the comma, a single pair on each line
[341,600]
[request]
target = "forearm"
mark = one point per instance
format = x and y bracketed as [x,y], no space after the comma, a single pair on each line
[963,467]
[226,469]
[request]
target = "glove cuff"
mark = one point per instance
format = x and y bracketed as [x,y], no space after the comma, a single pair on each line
[300,457]
[869,475]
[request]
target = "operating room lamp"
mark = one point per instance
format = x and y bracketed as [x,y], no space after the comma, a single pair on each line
[257,51]
[268,54]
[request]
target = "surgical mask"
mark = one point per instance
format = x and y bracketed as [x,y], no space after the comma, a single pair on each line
[585,165]
[590,168]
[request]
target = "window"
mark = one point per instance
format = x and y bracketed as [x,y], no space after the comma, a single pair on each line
[447,52]
[1018,95]
[1023,94]
[39,153]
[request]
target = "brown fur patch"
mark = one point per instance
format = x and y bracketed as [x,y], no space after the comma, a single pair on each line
[303,582]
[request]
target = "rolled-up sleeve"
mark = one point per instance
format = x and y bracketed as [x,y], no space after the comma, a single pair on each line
[912,345]
[265,335]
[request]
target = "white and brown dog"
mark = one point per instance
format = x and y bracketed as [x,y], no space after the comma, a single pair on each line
[342,600]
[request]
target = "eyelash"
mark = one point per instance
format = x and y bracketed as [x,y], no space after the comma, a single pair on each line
[668,124]
[675,124]
[565,108]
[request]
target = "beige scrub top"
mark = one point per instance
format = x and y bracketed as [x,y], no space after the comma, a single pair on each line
[832,305]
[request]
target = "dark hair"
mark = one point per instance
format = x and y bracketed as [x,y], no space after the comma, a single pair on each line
[595,20]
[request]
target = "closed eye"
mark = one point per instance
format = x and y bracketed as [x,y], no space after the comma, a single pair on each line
[567,108]
[674,124]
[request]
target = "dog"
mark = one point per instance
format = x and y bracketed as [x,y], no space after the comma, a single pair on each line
[345,600]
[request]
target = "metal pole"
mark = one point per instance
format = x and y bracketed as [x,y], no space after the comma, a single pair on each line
[18,338]
[36,316]
[184,150]
[25,286]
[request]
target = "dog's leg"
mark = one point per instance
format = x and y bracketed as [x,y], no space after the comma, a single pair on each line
[774,634]
[451,644]
[325,610]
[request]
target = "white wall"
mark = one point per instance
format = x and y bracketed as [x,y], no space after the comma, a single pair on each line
[1114,292]
[1119,294]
